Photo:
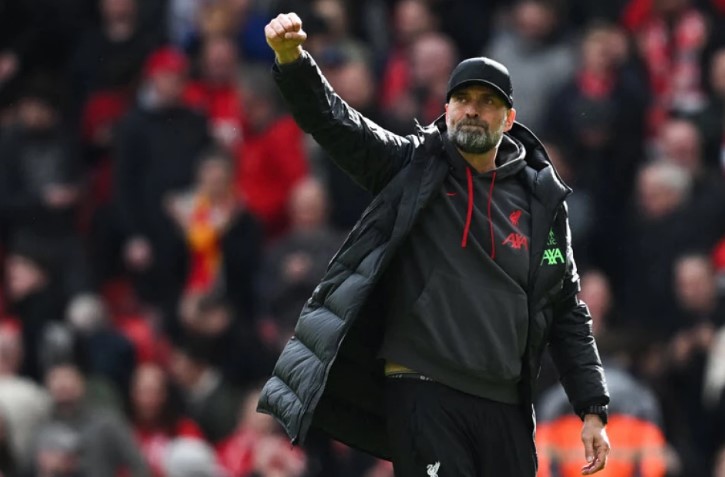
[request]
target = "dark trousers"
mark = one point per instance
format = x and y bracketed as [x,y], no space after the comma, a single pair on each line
[437,431]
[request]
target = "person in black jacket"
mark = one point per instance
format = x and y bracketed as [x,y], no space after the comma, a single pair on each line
[423,341]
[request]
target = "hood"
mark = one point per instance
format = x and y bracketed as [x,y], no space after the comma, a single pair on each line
[540,175]
[509,160]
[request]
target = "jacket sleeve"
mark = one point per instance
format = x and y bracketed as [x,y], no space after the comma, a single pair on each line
[370,154]
[572,343]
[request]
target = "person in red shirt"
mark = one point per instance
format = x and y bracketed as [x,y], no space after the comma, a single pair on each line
[272,158]
[156,416]
[216,94]
[257,448]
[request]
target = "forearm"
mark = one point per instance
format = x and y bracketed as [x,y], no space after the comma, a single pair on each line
[369,153]
[576,357]
[572,343]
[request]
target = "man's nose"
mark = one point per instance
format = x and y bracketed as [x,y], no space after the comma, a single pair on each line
[471,111]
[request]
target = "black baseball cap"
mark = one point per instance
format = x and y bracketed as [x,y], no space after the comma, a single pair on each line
[482,70]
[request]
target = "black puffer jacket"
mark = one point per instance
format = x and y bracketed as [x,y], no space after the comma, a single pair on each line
[328,375]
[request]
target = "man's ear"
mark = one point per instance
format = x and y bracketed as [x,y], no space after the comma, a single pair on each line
[510,118]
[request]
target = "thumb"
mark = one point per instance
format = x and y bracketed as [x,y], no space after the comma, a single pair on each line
[588,448]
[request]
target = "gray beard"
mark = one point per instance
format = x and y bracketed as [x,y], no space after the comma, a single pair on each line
[472,141]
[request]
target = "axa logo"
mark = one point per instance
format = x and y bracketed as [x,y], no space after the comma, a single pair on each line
[516,241]
[552,256]
[432,469]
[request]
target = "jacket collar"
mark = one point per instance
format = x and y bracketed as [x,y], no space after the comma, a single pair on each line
[539,176]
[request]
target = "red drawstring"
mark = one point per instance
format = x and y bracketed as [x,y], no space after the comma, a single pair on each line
[466,229]
[470,208]
[490,221]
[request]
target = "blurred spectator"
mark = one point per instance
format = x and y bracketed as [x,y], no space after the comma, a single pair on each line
[366,18]
[237,452]
[661,228]
[108,353]
[58,452]
[193,23]
[635,424]
[431,58]
[696,291]
[34,298]
[250,17]
[680,141]
[23,404]
[635,420]
[209,400]
[106,441]
[182,21]
[36,40]
[334,35]
[676,367]
[111,55]
[687,352]
[216,92]
[597,294]
[223,239]
[297,262]
[711,121]
[40,183]
[159,145]
[598,114]
[411,18]
[272,157]
[230,341]
[274,458]
[191,458]
[671,38]
[533,50]
[157,418]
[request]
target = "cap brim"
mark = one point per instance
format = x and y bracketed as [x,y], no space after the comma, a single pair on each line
[470,82]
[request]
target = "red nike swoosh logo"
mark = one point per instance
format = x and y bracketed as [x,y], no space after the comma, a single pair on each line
[451,194]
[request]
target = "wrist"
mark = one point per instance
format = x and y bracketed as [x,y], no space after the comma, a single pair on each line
[593,419]
[598,412]
[288,56]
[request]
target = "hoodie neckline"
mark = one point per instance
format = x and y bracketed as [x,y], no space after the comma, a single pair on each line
[509,160]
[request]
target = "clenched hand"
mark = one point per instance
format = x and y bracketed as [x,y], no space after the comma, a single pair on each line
[285,36]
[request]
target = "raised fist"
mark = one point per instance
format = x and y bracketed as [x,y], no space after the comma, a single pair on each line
[285,36]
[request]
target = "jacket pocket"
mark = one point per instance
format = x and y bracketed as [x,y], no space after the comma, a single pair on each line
[480,329]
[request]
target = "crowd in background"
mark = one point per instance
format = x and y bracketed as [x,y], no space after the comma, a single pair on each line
[163,219]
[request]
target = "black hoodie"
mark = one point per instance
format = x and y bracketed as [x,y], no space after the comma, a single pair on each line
[458,303]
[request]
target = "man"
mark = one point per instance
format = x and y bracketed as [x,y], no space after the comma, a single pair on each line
[106,441]
[159,144]
[423,340]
